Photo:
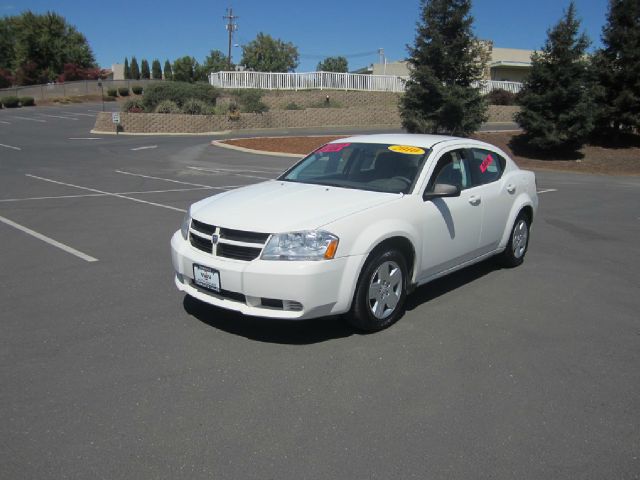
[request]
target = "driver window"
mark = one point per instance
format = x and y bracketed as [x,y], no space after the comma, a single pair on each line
[452,169]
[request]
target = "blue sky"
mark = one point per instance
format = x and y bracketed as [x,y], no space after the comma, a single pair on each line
[169,29]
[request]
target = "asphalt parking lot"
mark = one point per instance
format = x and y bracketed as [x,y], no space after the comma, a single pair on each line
[107,371]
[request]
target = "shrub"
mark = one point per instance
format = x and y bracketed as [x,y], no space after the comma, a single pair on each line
[193,106]
[250,101]
[133,106]
[27,101]
[123,91]
[500,96]
[112,92]
[179,93]
[293,106]
[10,102]
[326,104]
[137,89]
[167,106]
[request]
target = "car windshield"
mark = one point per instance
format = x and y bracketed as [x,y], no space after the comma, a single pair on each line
[363,166]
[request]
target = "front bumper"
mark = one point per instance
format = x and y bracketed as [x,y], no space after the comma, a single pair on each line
[305,289]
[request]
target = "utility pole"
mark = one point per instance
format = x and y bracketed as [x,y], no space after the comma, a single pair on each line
[231,27]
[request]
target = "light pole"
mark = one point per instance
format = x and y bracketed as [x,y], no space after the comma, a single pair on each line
[102,90]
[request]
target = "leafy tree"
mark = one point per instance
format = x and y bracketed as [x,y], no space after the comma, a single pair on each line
[268,54]
[36,47]
[127,70]
[144,70]
[156,70]
[617,70]
[6,80]
[333,64]
[184,69]
[168,72]
[135,70]
[556,101]
[446,60]
[216,61]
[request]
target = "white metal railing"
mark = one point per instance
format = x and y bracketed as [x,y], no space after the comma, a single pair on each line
[331,81]
[306,81]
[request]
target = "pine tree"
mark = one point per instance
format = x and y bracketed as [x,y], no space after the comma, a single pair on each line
[127,70]
[446,59]
[617,70]
[144,70]
[156,70]
[135,70]
[556,99]
[168,73]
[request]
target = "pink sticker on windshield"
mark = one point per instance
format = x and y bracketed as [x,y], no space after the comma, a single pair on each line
[485,163]
[332,147]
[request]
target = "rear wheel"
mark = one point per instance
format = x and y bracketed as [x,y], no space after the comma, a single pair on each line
[381,292]
[518,242]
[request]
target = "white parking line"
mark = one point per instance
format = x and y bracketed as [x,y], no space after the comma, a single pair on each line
[85,138]
[89,195]
[9,146]
[49,240]
[548,190]
[57,116]
[117,195]
[227,173]
[176,181]
[239,170]
[144,148]
[6,123]
[30,119]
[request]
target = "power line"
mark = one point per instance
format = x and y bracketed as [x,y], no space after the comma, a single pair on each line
[346,55]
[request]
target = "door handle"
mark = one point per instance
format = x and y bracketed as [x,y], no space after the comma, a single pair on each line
[511,188]
[473,200]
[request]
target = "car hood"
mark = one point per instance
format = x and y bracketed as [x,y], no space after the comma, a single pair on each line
[277,206]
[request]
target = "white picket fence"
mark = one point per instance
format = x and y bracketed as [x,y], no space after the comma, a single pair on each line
[330,81]
[308,81]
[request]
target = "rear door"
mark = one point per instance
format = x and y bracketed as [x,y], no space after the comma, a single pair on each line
[488,183]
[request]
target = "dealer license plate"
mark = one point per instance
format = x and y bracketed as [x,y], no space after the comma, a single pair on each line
[206,277]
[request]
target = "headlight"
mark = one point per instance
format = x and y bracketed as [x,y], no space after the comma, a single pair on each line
[307,245]
[186,221]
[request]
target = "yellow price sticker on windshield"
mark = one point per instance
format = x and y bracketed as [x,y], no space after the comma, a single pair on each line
[406,149]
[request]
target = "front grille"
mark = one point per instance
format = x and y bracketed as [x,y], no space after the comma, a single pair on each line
[237,252]
[200,237]
[202,227]
[201,243]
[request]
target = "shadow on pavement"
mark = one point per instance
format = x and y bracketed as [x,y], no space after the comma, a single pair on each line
[450,282]
[290,332]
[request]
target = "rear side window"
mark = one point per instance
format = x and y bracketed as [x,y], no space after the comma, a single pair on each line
[485,166]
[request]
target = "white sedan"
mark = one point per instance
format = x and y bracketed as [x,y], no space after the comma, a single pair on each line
[354,227]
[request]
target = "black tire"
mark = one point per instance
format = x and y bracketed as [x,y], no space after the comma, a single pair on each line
[518,243]
[362,315]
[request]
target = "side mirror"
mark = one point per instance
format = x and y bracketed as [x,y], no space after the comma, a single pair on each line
[441,190]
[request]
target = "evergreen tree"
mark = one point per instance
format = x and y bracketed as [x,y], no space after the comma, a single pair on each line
[168,73]
[156,70]
[617,70]
[145,73]
[127,70]
[184,69]
[556,99]
[135,70]
[446,59]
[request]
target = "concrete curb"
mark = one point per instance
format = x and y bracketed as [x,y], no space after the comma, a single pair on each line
[221,144]
[157,134]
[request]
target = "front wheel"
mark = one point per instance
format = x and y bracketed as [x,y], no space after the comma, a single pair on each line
[518,242]
[380,293]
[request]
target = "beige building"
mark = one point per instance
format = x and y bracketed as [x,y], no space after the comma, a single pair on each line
[118,71]
[504,64]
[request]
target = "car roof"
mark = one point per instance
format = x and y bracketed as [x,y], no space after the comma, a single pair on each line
[412,139]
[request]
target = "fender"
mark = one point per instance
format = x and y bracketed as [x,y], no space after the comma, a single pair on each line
[523,200]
